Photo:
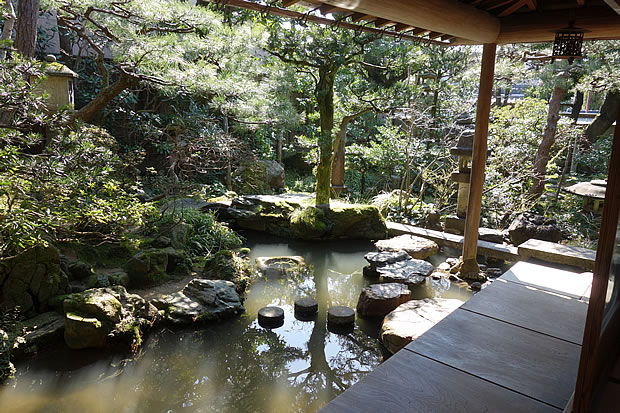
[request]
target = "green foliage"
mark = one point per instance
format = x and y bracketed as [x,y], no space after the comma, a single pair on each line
[398,206]
[207,236]
[297,182]
[66,183]
[514,135]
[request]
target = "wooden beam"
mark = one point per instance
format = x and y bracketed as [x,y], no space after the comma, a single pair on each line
[325,10]
[402,27]
[614,4]
[513,8]
[472,220]
[592,357]
[382,22]
[358,17]
[277,11]
[599,22]
[289,3]
[443,16]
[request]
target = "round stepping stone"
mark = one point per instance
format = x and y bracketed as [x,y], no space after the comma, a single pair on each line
[340,316]
[271,317]
[306,306]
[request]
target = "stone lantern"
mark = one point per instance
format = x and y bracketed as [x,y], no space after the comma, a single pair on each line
[463,150]
[58,84]
[593,193]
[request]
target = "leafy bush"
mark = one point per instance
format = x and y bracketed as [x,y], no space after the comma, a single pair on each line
[57,181]
[206,237]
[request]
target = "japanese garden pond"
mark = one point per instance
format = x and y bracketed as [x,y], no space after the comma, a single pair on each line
[235,366]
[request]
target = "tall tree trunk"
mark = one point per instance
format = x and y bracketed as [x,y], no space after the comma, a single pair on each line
[605,118]
[104,97]
[577,105]
[325,99]
[548,138]
[7,29]
[27,23]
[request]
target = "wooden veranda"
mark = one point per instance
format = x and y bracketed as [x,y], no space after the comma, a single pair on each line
[489,23]
[513,347]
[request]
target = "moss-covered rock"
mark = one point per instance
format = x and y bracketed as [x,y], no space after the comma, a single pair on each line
[148,267]
[108,255]
[229,266]
[31,279]
[84,332]
[201,301]
[356,221]
[251,178]
[106,316]
[308,223]
[294,215]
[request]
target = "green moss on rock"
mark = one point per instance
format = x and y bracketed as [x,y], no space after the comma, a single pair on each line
[228,265]
[308,223]
[356,221]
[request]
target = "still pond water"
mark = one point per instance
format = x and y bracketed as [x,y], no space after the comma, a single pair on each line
[236,366]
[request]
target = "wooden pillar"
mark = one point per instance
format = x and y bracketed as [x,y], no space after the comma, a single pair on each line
[601,342]
[472,222]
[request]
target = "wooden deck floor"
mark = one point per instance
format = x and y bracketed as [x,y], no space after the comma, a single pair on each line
[513,347]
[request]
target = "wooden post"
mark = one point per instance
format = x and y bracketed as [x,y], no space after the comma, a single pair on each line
[469,267]
[598,344]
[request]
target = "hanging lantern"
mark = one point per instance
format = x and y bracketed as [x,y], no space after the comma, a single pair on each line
[567,44]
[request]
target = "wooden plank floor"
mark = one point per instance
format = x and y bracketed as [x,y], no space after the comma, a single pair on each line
[513,347]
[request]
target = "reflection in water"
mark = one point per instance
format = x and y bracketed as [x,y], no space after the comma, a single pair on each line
[236,366]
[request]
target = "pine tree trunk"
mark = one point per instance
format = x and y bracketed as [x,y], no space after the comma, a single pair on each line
[548,138]
[7,29]
[104,97]
[605,118]
[577,104]
[27,22]
[325,99]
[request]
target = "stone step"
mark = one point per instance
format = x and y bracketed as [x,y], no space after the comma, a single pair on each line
[490,249]
[558,253]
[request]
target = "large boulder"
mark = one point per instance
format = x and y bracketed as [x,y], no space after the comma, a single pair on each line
[250,178]
[527,226]
[411,272]
[378,300]
[275,175]
[201,301]
[106,316]
[39,332]
[229,266]
[291,215]
[148,267]
[417,247]
[308,223]
[412,319]
[355,221]
[32,279]
[379,259]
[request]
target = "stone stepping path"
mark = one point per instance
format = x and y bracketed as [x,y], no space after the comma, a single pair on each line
[380,299]
[416,247]
[271,317]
